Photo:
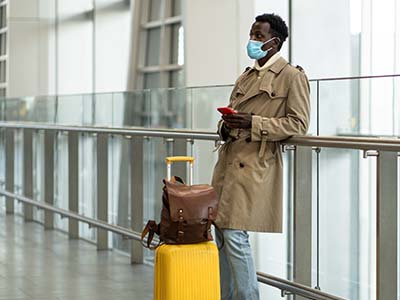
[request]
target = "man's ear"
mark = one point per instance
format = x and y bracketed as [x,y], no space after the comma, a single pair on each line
[276,42]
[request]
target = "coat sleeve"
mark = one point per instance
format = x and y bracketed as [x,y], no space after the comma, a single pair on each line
[222,131]
[296,120]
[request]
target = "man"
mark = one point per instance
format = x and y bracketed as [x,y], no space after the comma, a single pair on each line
[272,100]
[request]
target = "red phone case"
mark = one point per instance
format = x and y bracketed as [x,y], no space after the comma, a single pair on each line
[226,110]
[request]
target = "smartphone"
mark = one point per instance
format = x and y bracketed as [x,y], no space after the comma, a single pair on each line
[226,110]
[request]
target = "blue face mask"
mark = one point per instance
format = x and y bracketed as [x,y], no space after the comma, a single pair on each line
[254,50]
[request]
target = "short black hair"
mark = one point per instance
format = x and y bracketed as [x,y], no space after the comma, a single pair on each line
[278,26]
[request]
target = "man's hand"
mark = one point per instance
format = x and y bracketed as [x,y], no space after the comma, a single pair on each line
[239,120]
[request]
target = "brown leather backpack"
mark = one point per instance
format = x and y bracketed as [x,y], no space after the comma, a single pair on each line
[186,216]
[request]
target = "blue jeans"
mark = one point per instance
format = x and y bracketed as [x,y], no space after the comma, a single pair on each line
[238,274]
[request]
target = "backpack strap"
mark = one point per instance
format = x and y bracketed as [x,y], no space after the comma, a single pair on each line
[151,228]
[181,232]
[209,222]
[175,179]
[221,234]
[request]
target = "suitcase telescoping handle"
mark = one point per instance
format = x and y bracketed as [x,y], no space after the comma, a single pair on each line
[172,159]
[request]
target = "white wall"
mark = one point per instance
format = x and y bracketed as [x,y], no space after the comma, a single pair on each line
[321,39]
[31,41]
[87,53]
[214,49]
[112,49]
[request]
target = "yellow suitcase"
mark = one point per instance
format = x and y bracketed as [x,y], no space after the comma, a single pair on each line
[187,272]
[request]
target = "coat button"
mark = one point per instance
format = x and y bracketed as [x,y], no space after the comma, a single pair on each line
[241,165]
[273,94]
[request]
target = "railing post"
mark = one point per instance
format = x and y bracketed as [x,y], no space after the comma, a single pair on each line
[102,189]
[27,176]
[10,148]
[302,216]
[73,182]
[49,137]
[137,196]
[386,232]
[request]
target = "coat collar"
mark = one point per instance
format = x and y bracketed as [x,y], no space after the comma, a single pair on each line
[278,65]
[266,81]
[275,69]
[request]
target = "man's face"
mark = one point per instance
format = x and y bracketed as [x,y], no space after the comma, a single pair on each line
[261,32]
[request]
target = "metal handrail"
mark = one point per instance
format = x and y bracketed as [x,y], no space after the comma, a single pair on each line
[288,287]
[282,284]
[128,131]
[361,143]
[355,77]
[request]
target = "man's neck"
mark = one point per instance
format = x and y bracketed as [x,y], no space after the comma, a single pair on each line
[264,60]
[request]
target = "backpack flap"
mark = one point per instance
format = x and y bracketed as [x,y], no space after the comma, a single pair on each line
[196,202]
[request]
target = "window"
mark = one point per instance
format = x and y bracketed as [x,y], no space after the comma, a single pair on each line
[160,44]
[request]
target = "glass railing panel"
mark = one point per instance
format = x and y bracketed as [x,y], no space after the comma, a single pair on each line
[313,127]
[42,109]
[179,107]
[339,107]
[350,106]
[15,109]
[205,101]
[359,107]
[29,109]
[89,109]
[132,109]
[120,110]
[103,109]
[169,108]
[69,109]
[347,193]
[382,104]
[396,105]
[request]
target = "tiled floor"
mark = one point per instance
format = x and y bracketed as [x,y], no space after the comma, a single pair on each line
[45,265]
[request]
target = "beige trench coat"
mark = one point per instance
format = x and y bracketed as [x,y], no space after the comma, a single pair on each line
[248,175]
